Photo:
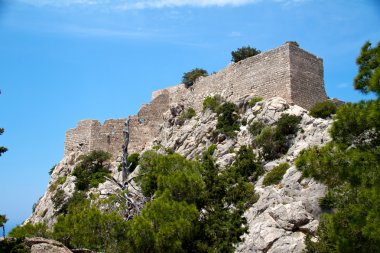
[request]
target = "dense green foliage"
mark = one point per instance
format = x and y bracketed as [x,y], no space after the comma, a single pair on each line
[85,226]
[133,161]
[228,119]
[255,127]
[190,77]
[368,78]
[213,103]
[91,170]
[288,124]
[273,140]
[323,109]
[30,230]
[13,245]
[187,114]
[182,188]
[254,101]
[243,53]
[357,124]
[275,175]
[350,167]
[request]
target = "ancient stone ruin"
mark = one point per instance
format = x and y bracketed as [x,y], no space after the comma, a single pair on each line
[287,71]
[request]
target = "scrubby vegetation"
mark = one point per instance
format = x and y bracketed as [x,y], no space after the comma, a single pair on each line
[350,167]
[190,77]
[274,140]
[183,188]
[275,175]
[187,114]
[30,230]
[15,245]
[91,170]
[243,53]
[196,208]
[213,103]
[323,109]
[255,127]
[133,161]
[254,101]
[228,119]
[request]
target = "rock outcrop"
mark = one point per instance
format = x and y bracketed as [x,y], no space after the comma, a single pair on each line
[284,214]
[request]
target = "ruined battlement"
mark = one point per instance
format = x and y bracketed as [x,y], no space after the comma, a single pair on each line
[91,135]
[287,71]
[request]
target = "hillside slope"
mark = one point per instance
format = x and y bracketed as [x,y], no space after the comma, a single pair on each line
[285,212]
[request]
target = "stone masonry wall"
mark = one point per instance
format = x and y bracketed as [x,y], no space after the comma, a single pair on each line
[287,71]
[146,124]
[90,135]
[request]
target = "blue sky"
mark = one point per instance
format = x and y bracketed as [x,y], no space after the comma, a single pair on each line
[66,60]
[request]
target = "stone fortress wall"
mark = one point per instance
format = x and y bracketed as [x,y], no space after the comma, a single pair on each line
[287,71]
[91,135]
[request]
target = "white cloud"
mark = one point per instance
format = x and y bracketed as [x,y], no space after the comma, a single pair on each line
[149,4]
[342,85]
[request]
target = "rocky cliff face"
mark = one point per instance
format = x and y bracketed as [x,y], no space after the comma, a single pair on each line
[284,214]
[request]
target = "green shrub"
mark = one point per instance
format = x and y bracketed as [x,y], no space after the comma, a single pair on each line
[272,143]
[212,103]
[243,53]
[276,174]
[293,43]
[58,199]
[14,245]
[52,169]
[188,114]
[244,122]
[30,230]
[133,161]
[255,127]
[323,109]
[228,119]
[254,101]
[288,124]
[190,77]
[85,226]
[183,190]
[246,163]
[91,170]
[154,166]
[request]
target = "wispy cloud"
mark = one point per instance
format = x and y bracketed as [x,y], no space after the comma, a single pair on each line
[149,4]
[342,86]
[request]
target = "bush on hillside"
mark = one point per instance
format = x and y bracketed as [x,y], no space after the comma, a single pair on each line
[187,114]
[323,109]
[92,170]
[133,161]
[255,127]
[190,77]
[243,53]
[254,101]
[228,119]
[276,174]
[213,103]
[288,124]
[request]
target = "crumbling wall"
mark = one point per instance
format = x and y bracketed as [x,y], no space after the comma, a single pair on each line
[146,124]
[287,71]
[90,135]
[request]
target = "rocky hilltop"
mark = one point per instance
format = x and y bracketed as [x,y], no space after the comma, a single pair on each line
[285,212]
